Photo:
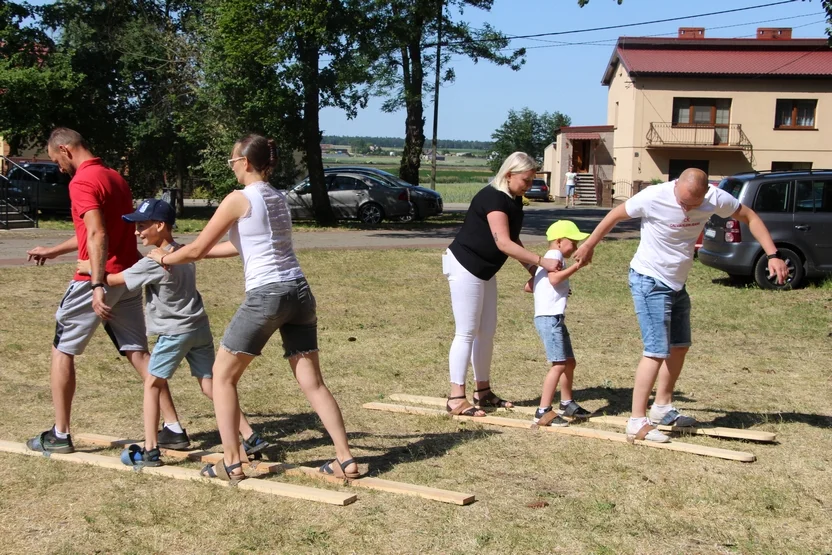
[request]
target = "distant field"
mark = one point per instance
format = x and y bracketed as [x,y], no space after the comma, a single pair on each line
[393,161]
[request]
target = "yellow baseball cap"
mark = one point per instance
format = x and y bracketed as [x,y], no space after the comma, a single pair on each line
[565,229]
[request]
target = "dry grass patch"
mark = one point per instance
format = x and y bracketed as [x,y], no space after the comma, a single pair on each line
[760,360]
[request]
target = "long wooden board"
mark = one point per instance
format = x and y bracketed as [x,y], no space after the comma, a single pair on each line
[262,486]
[579,431]
[620,421]
[425,492]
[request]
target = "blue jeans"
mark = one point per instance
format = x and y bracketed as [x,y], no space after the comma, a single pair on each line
[663,315]
[197,347]
[555,337]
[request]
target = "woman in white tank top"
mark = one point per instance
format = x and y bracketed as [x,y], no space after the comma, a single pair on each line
[278,298]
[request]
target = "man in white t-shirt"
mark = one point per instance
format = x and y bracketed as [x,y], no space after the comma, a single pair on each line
[570,187]
[672,216]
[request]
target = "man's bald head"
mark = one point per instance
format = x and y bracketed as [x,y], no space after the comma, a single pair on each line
[694,181]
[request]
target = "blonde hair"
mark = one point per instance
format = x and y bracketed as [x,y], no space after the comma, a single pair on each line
[515,163]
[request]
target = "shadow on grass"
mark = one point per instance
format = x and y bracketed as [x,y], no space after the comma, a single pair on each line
[427,446]
[740,419]
[618,399]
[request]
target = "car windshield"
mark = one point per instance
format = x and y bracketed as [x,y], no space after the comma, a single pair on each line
[732,186]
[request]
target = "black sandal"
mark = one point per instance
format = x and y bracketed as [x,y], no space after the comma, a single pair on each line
[463,409]
[223,472]
[490,400]
[339,471]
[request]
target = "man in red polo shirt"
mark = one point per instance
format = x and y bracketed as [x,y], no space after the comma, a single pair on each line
[99,198]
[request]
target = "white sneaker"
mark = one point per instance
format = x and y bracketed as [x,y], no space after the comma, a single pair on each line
[644,429]
[671,417]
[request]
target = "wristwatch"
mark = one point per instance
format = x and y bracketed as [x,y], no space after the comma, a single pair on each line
[96,285]
[775,255]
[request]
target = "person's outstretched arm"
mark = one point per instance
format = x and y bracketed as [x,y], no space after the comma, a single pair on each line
[585,251]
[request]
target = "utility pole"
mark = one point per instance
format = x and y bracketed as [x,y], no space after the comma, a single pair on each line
[436,92]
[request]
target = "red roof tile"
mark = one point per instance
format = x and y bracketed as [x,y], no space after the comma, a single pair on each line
[728,62]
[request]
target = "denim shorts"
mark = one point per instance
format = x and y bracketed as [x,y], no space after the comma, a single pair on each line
[570,190]
[287,306]
[197,347]
[663,315]
[555,337]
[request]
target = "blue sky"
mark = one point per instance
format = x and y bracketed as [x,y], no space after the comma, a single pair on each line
[564,77]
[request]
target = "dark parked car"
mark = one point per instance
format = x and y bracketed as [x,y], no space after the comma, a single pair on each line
[539,191]
[426,202]
[50,191]
[796,206]
[353,196]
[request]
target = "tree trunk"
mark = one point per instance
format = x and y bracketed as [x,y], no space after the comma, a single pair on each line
[181,175]
[309,57]
[414,138]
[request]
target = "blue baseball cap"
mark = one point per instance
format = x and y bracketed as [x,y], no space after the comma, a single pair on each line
[152,209]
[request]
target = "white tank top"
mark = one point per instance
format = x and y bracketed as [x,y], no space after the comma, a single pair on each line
[263,237]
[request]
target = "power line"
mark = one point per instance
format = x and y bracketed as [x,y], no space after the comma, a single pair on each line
[609,27]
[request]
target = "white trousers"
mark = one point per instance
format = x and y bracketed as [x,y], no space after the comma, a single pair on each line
[474,303]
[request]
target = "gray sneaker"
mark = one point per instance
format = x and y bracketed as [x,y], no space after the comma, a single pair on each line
[672,418]
[573,410]
[549,418]
[48,442]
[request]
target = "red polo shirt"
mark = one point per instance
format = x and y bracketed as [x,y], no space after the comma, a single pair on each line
[97,187]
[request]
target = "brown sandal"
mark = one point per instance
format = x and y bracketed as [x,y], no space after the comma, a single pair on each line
[490,400]
[223,472]
[463,409]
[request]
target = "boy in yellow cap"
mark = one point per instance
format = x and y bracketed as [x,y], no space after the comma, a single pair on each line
[551,290]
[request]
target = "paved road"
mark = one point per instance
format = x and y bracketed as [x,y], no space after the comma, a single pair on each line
[538,217]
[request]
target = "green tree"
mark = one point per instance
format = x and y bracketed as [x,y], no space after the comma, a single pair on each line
[526,131]
[36,81]
[271,66]
[407,33]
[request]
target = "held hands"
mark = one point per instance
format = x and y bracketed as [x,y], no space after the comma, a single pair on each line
[40,255]
[777,267]
[83,267]
[529,287]
[583,255]
[551,265]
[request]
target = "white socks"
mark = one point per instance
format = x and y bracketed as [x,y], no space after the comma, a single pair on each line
[60,435]
[174,427]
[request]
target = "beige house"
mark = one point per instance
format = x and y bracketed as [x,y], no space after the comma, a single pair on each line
[26,155]
[722,105]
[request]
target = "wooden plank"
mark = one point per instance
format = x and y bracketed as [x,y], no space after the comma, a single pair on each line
[619,421]
[262,486]
[730,433]
[111,441]
[444,496]
[727,454]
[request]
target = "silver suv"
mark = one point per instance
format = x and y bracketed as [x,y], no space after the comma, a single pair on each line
[796,207]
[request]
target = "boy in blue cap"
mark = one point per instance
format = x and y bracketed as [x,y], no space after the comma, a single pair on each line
[174,311]
[551,290]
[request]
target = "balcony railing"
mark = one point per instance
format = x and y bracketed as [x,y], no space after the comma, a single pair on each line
[702,136]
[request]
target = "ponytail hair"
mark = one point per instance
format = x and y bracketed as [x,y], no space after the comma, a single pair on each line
[260,152]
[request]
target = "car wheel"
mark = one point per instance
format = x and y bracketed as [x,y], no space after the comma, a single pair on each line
[793,263]
[412,216]
[370,213]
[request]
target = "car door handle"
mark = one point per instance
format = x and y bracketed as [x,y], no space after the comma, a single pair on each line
[803,227]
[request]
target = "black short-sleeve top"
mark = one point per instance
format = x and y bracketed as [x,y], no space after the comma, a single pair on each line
[474,246]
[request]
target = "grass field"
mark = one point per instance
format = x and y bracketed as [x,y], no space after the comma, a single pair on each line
[760,360]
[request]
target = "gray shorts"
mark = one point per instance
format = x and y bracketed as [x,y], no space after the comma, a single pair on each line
[287,306]
[75,320]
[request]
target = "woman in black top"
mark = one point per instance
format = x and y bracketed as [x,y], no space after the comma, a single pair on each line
[489,235]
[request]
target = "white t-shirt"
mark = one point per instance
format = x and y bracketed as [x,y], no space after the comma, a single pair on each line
[550,300]
[668,233]
[570,179]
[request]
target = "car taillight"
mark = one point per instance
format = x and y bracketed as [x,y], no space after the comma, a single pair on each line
[403,195]
[544,188]
[732,232]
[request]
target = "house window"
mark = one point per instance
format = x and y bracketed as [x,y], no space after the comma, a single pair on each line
[704,112]
[789,166]
[795,114]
